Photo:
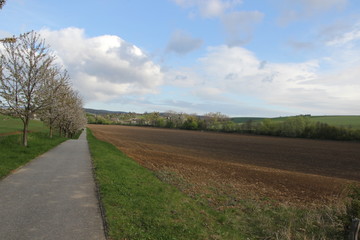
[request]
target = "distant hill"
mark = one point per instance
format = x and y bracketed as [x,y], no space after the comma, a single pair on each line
[101,112]
[246,119]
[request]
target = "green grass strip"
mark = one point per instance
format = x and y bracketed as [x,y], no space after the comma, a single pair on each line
[14,155]
[140,206]
[9,124]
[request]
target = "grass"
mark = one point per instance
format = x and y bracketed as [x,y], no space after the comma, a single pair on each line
[264,218]
[140,204]
[14,155]
[10,124]
[337,121]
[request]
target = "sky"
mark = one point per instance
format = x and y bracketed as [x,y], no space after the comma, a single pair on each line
[259,58]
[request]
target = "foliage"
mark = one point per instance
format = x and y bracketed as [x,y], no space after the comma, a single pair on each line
[24,68]
[303,127]
[352,206]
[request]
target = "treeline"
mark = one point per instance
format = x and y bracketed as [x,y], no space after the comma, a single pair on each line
[303,127]
[298,126]
[33,85]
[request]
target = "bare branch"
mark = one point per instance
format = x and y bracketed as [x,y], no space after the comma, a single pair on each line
[2,3]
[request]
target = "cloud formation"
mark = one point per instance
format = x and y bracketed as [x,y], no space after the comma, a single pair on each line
[235,74]
[349,37]
[238,25]
[105,67]
[183,43]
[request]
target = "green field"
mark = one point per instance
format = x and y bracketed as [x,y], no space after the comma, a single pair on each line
[337,121]
[10,124]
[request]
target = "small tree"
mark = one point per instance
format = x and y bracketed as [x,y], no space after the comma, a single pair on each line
[215,121]
[24,67]
[73,116]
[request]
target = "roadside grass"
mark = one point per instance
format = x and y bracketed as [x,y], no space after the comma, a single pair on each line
[14,155]
[140,206]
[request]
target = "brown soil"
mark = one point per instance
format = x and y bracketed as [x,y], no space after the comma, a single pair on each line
[289,170]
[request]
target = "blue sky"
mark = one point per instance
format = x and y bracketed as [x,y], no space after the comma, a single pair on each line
[238,57]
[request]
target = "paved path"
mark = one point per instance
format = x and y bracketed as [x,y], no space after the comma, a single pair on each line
[52,198]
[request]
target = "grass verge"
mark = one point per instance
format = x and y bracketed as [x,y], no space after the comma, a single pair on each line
[264,218]
[14,155]
[140,206]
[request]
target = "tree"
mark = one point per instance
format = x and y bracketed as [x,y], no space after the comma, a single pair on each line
[2,3]
[191,122]
[215,121]
[73,117]
[56,89]
[24,68]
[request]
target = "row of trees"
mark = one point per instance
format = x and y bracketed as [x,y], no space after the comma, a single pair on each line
[170,119]
[299,126]
[303,127]
[32,84]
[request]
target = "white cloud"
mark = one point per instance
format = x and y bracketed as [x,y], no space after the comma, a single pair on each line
[347,37]
[182,43]
[104,67]
[239,26]
[298,87]
[209,8]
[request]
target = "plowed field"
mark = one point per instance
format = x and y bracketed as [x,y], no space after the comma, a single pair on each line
[286,169]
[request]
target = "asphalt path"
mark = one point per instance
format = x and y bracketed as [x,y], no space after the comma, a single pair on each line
[53,197]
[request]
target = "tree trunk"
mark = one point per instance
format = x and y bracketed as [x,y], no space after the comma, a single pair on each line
[51,131]
[25,132]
